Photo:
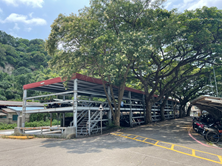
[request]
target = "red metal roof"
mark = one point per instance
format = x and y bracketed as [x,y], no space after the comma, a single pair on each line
[76,76]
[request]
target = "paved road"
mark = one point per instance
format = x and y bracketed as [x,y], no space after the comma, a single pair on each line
[110,150]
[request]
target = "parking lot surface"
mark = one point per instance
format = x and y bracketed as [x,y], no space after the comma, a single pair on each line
[130,146]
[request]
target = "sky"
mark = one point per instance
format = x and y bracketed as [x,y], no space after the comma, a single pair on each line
[31,19]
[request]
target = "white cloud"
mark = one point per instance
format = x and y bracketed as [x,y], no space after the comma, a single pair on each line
[30,15]
[23,18]
[28,29]
[168,4]
[1,10]
[13,34]
[192,4]
[33,3]
[208,3]
[16,27]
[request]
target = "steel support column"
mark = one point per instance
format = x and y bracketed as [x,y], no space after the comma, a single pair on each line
[24,108]
[89,122]
[50,119]
[131,113]
[174,109]
[168,112]
[63,120]
[144,108]
[109,112]
[75,104]
[63,115]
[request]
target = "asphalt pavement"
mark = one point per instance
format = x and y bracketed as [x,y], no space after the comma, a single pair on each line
[132,148]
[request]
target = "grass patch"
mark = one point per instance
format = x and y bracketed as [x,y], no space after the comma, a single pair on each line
[4,126]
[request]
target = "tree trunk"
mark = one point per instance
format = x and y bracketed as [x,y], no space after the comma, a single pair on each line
[188,110]
[180,111]
[183,111]
[116,113]
[120,97]
[148,118]
[117,118]
[162,106]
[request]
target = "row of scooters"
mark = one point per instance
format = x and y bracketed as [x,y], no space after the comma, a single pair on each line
[207,126]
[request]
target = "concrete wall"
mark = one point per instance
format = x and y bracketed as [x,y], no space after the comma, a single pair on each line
[70,132]
[9,119]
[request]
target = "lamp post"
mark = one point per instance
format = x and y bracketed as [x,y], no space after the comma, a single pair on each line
[101,117]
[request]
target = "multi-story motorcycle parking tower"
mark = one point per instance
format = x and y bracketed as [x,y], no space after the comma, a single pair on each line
[86,113]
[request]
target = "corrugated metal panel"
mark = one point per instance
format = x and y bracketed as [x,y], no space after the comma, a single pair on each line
[27,108]
[211,104]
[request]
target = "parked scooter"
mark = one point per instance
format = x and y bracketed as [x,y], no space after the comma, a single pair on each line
[201,122]
[214,132]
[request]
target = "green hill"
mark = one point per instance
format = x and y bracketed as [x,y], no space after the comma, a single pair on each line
[22,61]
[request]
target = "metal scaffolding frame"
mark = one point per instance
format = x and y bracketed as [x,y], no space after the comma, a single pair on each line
[86,112]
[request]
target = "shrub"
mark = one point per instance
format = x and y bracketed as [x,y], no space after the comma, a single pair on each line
[4,126]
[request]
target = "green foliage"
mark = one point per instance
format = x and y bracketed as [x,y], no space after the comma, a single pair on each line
[41,123]
[29,60]
[105,39]
[22,52]
[4,126]
[41,116]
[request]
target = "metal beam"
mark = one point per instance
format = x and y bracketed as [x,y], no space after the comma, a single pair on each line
[62,93]
[109,112]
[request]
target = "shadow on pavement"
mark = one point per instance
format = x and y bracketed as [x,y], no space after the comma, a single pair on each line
[173,131]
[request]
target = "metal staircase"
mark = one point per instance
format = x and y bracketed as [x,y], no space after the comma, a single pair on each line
[88,126]
[82,126]
[92,123]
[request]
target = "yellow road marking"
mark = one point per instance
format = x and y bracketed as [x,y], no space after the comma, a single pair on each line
[220,158]
[145,139]
[156,142]
[172,147]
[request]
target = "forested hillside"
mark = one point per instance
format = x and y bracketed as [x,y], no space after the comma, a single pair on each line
[28,61]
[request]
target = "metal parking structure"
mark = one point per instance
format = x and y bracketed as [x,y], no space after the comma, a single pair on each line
[86,112]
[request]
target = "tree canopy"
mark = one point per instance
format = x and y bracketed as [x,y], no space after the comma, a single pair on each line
[120,40]
[28,60]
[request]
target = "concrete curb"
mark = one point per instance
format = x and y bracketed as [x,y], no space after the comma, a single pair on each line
[20,137]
